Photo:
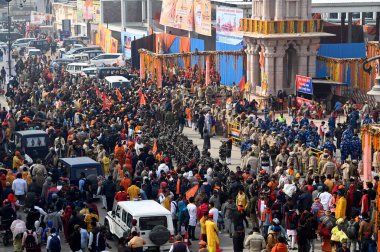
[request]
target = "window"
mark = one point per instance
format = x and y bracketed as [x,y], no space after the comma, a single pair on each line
[333,16]
[148,223]
[368,15]
[129,220]
[356,15]
[118,211]
[124,216]
[87,171]
[78,68]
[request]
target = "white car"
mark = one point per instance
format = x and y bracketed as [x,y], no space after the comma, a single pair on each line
[108,59]
[32,53]
[62,51]
[154,221]
[22,42]
[77,67]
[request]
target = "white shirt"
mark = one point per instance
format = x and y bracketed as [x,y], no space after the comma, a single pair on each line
[19,186]
[193,214]
[325,200]
[215,214]
[262,206]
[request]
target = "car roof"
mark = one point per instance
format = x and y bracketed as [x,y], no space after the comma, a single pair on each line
[144,208]
[109,68]
[116,78]
[79,64]
[79,161]
[89,68]
[110,54]
[30,132]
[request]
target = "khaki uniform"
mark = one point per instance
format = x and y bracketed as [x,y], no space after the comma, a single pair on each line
[313,163]
[304,159]
[328,168]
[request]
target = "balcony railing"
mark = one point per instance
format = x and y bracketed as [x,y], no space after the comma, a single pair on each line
[277,27]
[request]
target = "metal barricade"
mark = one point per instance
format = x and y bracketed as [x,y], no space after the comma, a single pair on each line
[234,132]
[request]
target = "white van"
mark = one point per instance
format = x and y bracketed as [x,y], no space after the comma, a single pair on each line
[154,221]
[108,59]
[77,67]
[112,82]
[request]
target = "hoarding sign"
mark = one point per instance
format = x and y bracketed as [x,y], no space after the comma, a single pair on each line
[177,14]
[126,40]
[227,23]
[304,84]
[202,17]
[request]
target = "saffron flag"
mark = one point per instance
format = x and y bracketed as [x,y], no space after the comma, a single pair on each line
[106,102]
[262,58]
[242,83]
[98,93]
[154,150]
[142,98]
[118,93]
[191,192]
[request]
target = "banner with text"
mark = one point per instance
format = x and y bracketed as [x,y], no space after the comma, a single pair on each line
[304,84]
[202,16]
[227,23]
[177,14]
[126,41]
[40,18]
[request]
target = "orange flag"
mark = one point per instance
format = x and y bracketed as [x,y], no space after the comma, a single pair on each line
[262,59]
[118,93]
[242,83]
[154,150]
[191,192]
[106,102]
[142,98]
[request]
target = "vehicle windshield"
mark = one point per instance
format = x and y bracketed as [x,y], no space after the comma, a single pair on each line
[148,223]
[38,141]
[87,171]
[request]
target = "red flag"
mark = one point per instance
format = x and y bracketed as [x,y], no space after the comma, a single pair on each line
[98,93]
[242,83]
[191,192]
[154,150]
[118,93]
[106,102]
[142,97]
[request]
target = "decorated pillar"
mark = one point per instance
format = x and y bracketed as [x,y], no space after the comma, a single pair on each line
[208,65]
[249,62]
[313,51]
[304,9]
[302,60]
[255,68]
[279,14]
[266,10]
[280,71]
[142,66]
[366,138]
[270,67]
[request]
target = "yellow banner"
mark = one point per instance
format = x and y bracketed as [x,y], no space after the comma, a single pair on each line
[104,38]
[178,14]
[202,16]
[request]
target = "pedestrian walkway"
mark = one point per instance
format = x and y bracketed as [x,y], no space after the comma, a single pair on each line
[216,142]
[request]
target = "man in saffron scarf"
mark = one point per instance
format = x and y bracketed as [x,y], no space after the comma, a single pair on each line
[212,235]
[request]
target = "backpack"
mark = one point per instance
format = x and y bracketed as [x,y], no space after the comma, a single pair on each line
[30,241]
[292,220]
[352,231]
[55,244]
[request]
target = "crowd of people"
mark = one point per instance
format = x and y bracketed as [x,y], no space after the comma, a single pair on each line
[289,190]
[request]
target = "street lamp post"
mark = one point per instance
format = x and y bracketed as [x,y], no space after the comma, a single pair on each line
[9,41]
